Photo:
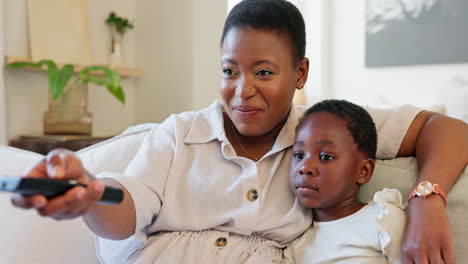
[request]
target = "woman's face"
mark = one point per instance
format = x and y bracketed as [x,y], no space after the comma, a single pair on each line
[258,78]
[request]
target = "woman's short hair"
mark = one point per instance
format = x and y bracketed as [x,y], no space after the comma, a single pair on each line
[270,14]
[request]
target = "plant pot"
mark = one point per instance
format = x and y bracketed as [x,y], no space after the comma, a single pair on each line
[68,115]
[116,58]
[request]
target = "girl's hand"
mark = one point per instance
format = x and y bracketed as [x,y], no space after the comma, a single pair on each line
[62,164]
[428,238]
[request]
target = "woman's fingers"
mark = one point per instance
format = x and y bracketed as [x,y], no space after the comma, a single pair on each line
[39,170]
[448,251]
[28,202]
[435,257]
[63,164]
[74,203]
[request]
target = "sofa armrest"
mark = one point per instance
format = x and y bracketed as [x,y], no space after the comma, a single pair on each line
[114,154]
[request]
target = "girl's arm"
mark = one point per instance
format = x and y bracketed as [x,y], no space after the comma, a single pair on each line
[440,144]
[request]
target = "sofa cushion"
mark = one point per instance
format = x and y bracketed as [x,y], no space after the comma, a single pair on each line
[43,239]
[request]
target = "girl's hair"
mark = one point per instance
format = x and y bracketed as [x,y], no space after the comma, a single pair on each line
[278,15]
[358,121]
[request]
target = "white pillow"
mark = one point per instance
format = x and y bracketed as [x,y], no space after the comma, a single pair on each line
[455,98]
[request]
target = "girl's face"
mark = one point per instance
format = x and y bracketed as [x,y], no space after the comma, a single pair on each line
[258,78]
[326,168]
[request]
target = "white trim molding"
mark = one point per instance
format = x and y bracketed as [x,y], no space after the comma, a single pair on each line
[3,130]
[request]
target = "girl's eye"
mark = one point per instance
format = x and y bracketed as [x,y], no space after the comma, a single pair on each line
[264,72]
[325,157]
[298,156]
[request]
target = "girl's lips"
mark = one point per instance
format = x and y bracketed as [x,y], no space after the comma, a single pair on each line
[306,191]
[306,187]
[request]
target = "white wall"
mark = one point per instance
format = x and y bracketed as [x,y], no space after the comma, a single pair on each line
[164,41]
[207,27]
[2,87]
[350,79]
[26,91]
[178,54]
[175,44]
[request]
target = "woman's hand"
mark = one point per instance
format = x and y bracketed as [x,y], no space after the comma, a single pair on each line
[64,165]
[428,238]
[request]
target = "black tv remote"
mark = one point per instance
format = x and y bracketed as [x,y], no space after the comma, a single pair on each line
[51,188]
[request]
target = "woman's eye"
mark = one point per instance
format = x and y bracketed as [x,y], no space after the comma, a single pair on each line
[228,71]
[325,157]
[264,72]
[298,156]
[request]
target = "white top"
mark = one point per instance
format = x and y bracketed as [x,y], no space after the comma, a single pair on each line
[187,177]
[372,235]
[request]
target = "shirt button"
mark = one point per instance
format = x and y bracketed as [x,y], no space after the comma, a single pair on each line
[252,195]
[221,242]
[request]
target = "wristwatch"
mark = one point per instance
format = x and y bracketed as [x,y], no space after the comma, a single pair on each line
[426,189]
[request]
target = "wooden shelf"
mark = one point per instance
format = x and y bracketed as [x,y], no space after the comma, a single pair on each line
[44,144]
[123,71]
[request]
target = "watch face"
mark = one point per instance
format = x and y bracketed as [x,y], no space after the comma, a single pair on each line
[424,188]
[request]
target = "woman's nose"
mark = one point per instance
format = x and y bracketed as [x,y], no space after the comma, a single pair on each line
[245,88]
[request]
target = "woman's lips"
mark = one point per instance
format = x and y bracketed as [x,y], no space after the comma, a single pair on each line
[246,111]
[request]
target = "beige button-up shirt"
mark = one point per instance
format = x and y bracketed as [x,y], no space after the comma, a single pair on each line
[187,178]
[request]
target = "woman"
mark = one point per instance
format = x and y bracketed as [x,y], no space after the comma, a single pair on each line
[212,186]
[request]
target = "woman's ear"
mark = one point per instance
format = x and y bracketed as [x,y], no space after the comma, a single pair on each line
[365,171]
[302,71]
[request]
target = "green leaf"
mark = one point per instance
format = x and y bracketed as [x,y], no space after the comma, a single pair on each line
[120,24]
[40,64]
[52,74]
[61,80]
[118,92]
[20,64]
[112,80]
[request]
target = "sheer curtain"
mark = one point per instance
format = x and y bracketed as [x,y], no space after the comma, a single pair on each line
[2,83]
[317,18]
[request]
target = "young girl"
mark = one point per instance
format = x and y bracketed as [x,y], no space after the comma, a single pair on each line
[333,155]
[212,187]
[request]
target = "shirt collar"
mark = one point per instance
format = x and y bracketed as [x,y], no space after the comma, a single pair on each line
[208,125]
[287,134]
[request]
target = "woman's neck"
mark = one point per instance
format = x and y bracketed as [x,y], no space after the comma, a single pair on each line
[251,147]
[343,209]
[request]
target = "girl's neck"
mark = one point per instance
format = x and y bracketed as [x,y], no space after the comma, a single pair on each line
[343,209]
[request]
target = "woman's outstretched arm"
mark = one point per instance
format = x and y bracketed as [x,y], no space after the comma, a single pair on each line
[109,221]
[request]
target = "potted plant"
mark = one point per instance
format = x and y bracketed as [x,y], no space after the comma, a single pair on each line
[118,26]
[68,101]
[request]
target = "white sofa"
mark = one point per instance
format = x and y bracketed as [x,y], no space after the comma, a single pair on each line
[27,238]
